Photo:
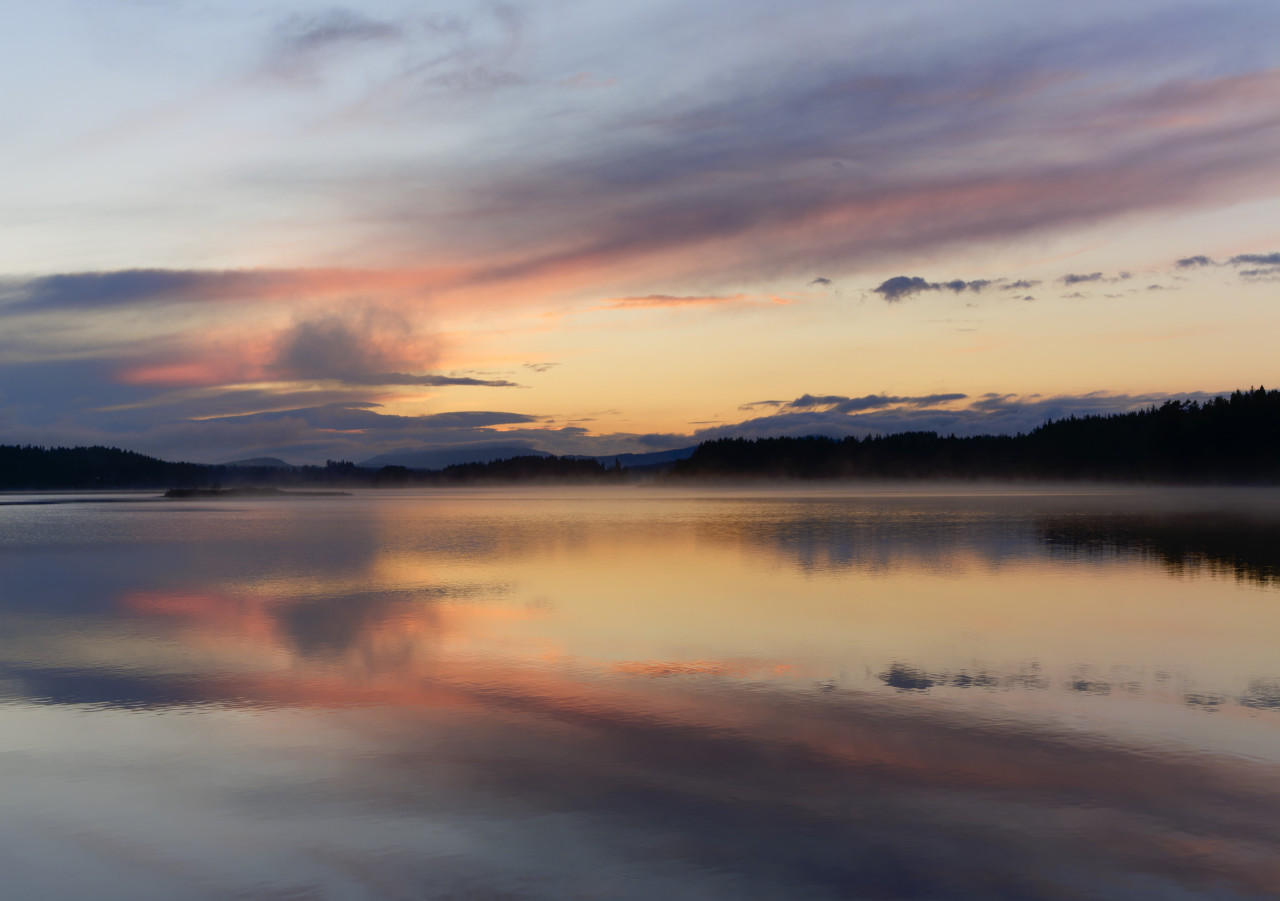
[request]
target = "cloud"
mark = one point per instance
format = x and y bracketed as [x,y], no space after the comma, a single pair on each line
[1194,262]
[900,286]
[302,41]
[1021,284]
[1045,127]
[364,416]
[331,346]
[90,290]
[993,413]
[1074,279]
[959,285]
[1255,259]
[118,289]
[728,180]
[839,404]
[360,349]
[540,367]
[404,378]
[821,280]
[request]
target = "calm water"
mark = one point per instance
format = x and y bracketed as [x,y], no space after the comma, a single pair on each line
[562,694]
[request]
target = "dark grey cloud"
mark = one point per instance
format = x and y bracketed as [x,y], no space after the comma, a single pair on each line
[1076,279]
[1021,284]
[1241,259]
[900,286]
[959,285]
[1255,259]
[839,404]
[821,280]
[405,378]
[102,290]
[473,419]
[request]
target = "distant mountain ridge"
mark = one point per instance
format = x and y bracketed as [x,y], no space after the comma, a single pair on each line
[261,463]
[440,457]
[645,461]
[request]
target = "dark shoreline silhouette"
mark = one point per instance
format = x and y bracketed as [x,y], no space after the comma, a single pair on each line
[1233,439]
[247,491]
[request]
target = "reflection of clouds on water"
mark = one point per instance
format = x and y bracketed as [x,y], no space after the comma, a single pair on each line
[1261,694]
[820,535]
[747,793]
[505,766]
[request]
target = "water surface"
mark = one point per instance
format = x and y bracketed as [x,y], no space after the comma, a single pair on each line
[555,693]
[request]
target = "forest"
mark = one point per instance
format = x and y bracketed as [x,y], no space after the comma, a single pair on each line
[1231,439]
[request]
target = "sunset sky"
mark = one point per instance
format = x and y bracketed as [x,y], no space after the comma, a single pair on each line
[312,231]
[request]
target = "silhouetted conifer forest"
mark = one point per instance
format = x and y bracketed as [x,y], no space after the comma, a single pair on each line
[1229,439]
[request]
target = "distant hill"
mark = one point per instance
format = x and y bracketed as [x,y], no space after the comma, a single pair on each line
[654,460]
[440,457]
[261,463]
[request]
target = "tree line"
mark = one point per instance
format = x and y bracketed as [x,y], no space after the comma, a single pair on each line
[33,468]
[1230,439]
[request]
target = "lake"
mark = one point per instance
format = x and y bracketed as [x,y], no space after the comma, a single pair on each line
[880,693]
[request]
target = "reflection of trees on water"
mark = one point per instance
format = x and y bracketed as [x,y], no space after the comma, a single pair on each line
[937,537]
[1262,693]
[1244,547]
[817,536]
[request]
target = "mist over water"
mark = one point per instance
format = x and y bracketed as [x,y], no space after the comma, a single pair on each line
[636,693]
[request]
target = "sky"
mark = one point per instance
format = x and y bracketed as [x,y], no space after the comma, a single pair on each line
[318,231]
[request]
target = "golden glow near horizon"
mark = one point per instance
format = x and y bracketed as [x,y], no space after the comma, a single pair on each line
[627,243]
